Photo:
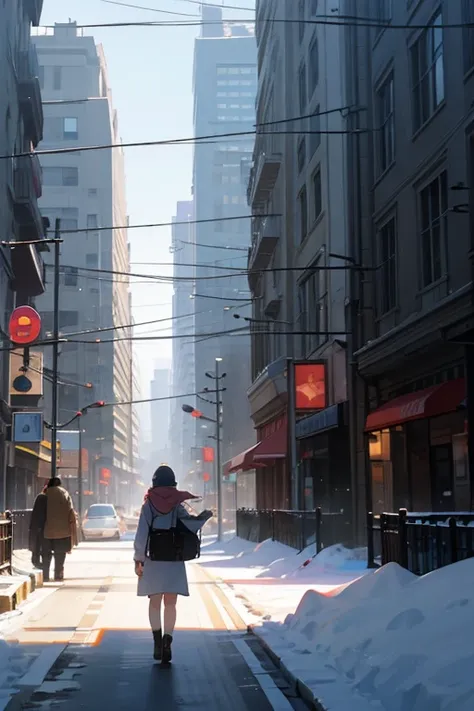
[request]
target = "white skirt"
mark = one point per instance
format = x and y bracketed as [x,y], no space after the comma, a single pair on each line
[162,576]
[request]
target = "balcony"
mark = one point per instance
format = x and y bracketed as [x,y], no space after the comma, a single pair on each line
[34,9]
[266,234]
[26,263]
[29,95]
[263,176]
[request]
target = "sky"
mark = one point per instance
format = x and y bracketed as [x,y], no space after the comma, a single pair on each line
[150,75]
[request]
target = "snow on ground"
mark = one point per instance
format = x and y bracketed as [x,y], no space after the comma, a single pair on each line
[394,641]
[379,641]
[272,578]
[13,665]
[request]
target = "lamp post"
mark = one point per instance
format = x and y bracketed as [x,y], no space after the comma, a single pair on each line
[217,378]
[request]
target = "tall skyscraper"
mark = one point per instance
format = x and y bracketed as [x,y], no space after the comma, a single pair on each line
[182,426]
[225,84]
[86,191]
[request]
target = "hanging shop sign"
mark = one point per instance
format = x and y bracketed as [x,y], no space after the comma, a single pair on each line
[310,386]
[27,427]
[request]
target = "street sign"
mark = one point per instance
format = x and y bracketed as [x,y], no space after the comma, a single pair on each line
[25,325]
[27,427]
[29,382]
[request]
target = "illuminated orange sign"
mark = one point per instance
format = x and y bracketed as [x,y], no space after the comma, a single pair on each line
[310,386]
[105,473]
[208,454]
[206,477]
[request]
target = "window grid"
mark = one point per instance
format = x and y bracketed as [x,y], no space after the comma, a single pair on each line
[428,72]
[386,121]
[434,228]
[387,267]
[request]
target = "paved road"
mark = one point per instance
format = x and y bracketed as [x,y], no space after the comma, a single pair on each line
[92,634]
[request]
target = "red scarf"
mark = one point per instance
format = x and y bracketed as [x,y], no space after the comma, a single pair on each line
[165,498]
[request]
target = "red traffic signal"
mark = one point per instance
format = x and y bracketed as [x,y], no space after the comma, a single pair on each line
[25,325]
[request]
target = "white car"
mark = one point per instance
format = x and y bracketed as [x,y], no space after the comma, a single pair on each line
[101,522]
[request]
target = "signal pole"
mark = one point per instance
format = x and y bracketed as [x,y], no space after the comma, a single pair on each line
[55,374]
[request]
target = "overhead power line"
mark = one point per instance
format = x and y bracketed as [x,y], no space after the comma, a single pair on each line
[352,21]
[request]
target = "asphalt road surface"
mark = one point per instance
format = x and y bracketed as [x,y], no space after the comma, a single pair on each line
[91,646]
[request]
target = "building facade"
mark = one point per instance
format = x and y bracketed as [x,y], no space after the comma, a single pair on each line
[412,227]
[85,190]
[21,268]
[160,390]
[298,258]
[182,431]
[225,85]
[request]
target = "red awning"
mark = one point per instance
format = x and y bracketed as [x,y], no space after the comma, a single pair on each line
[243,461]
[273,447]
[436,400]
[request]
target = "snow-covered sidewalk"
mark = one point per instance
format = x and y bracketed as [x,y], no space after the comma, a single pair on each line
[387,641]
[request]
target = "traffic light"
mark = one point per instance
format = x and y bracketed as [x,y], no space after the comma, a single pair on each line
[25,325]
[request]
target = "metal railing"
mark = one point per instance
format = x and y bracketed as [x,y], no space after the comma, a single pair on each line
[296,529]
[6,527]
[419,542]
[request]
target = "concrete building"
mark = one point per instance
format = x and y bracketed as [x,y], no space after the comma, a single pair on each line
[182,432]
[86,191]
[225,84]
[410,187]
[296,261]
[160,417]
[21,269]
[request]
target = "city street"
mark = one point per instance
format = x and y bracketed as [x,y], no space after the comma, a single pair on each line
[91,646]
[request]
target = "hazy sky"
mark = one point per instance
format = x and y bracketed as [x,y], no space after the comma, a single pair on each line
[150,74]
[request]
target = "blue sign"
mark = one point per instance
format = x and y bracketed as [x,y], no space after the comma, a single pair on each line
[27,427]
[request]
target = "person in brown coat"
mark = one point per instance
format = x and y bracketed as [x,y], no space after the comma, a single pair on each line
[60,529]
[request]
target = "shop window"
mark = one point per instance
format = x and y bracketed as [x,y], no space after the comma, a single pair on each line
[381,471]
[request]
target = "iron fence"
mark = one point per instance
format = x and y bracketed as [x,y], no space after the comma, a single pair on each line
[296,529]
[419,542]
[6,528]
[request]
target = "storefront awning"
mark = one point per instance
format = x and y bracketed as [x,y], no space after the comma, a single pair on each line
[433,401]
[273,447]
[243,461]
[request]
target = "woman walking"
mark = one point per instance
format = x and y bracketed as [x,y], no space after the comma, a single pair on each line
[163,580]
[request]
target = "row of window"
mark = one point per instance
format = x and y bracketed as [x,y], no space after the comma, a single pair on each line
[58,128]
[232,69]
[433,236]
[310,206]
[235,118]
[69,217]
[427,82]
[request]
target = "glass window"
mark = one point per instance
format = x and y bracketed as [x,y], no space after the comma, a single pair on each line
[315,138]
[301,14]
[70,131]
[301,155]
[303,213]
[312,318]
[388,267]
[383,9]
[302,88]
[434,228]
[92,259]
[92,222]
[468,39]
[386,120]
[313,66]
[57,78]
[314,7]
[428,72]
[317,194]
[70,276]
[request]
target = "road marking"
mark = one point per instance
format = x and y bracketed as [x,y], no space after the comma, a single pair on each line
[275,696]
[41,666]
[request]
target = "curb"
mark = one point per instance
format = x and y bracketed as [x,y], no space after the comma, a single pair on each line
[303,690]
[14,593]
[36,577]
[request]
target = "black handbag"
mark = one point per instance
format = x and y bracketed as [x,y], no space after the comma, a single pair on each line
[174,544]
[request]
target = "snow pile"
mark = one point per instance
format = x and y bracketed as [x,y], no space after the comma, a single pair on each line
[13,665]
[272,578]
[395,641]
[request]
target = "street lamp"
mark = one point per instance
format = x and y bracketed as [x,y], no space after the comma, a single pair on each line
[217,377]
[261,320]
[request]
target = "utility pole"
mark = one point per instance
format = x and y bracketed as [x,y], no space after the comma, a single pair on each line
[54,409]
[220,512]
[79,475]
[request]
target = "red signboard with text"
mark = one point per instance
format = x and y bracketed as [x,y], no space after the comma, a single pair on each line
[310,386]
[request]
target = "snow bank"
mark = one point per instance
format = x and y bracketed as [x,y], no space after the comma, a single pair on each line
[397,641]
[13,665]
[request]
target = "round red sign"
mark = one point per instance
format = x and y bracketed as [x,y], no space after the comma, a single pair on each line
[25,325]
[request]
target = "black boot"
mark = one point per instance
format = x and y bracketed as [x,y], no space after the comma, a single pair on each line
[158,639]
[166,649]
